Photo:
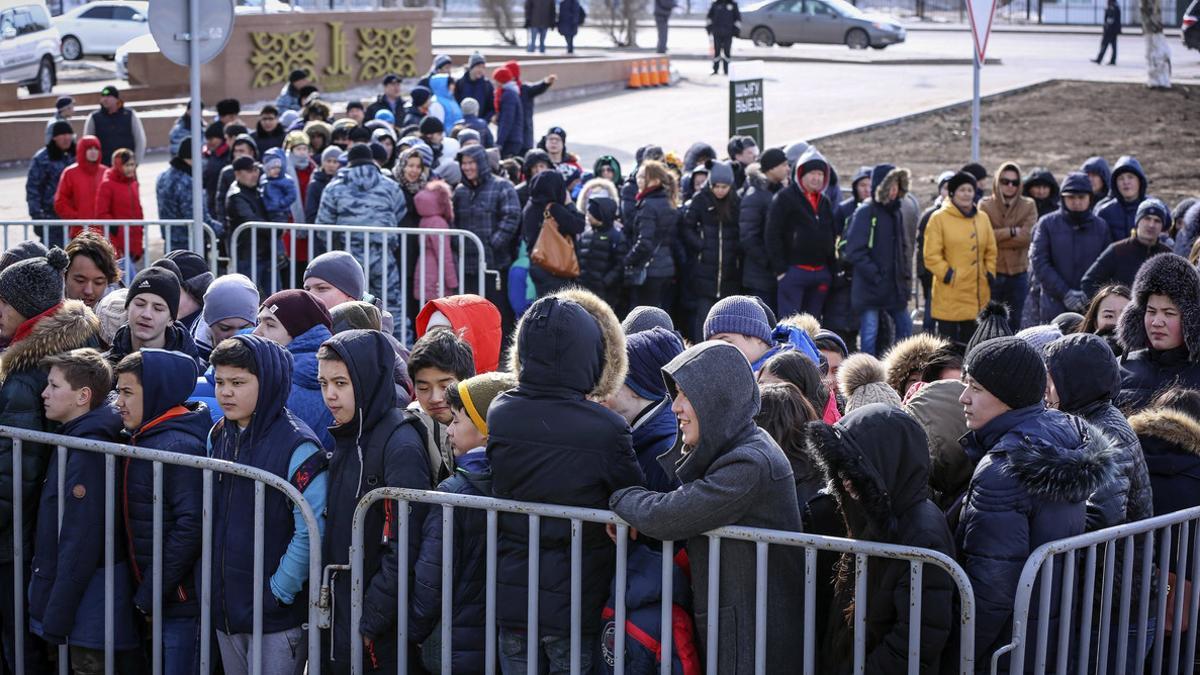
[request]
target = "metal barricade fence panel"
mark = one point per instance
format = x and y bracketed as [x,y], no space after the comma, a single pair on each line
[1145,577]
[22,440]
[174,235]
[761,540]
[256,250]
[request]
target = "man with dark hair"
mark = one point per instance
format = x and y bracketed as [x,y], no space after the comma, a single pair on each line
[92,269]
[245,204]
[253,376]
[268,133]
[153,387]
[241,145]
[289,96]
[439,360]
[389,100]
[229,110]
[378,445]
[116,126]
[66,596]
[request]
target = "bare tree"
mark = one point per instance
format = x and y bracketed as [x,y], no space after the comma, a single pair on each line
[1158,52]
[500,12]
[619,19]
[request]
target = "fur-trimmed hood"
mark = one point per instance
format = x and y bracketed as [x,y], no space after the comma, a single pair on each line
[1173,276]
[882,452]
[1173,427]
[909,356]
[1057,457]
[883,177]
[71,327]
[556,347]
[604,186]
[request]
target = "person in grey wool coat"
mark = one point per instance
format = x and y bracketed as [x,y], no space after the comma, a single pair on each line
[732,473]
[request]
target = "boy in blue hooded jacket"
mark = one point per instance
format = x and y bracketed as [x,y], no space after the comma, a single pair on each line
[279,191]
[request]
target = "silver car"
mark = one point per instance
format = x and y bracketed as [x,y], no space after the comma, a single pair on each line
[28,45]
[784,22]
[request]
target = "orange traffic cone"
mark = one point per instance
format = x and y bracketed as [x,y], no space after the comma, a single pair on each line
[658,72]
[666,72]
[635,76]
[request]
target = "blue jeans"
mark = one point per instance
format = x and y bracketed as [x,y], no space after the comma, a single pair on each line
[803,289]
[1011,289]
[538,36]
[180,637]
[869,328]
[554,653]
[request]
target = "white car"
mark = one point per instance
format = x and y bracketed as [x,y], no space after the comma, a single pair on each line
[99,28]
[28,45]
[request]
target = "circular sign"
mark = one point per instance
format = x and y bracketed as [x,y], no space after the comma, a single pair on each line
[169,26]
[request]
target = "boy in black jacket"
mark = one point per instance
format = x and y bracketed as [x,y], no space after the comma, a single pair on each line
[602,247]
[378,445]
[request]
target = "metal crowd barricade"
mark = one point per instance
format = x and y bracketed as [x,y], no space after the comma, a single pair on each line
[373,246]
[112,451]
[763,539]
[58,233]
[1113,637]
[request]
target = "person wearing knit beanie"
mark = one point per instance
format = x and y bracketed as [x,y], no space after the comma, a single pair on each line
[30,288]
[355,315]
[160,282]
[1040,337]
[112,314]
[289,314]
[151,307]
[230,305]
[862,379]
[334,278]
[645,317]
[1012,374]
[741,321]
[469,402]
[991,323]
[23,251]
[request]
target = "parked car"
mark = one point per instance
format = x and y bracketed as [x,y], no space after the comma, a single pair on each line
[99,28]
[784,22]
[1191,26]
[29,52]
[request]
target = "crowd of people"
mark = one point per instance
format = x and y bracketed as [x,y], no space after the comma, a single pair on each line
[765,374]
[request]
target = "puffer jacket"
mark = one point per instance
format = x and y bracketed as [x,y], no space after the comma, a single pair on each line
[881,452]
[875,245]
[469,553]
[41,184]
[66,583]
[1119,264]
[960,252]
[171,425]
[643,615]
[652,235]
[1012,225]
[75,198]
[570,351]
[178,339]
[1065,244]
[796,233]
[936,408]
[1170,440]
[1128,497]
[433,205]
[480,89]
[601,251]
[510,120]
[1119,213]
[118,198]
[489,208]
[752,224]
[709,230]
[305,400]
[1035,470]
[66,326]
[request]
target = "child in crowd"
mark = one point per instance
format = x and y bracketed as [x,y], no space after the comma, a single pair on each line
[602,246]
[279,190]
[438,361]
[435,274]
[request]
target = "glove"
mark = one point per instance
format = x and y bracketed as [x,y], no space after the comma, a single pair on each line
[949,276]
[1075,301]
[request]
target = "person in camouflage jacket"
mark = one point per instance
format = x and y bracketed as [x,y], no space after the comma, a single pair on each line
[174,191]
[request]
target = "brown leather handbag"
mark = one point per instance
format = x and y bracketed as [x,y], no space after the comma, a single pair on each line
[554,252]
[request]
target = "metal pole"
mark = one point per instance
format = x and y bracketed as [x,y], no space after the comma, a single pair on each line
[197,136]
[975,111]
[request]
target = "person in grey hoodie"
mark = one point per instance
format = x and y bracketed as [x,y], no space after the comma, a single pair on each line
[732,473]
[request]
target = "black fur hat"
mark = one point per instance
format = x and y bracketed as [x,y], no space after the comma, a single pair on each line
[1173,276]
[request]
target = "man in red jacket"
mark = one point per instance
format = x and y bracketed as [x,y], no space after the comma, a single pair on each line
[75,198]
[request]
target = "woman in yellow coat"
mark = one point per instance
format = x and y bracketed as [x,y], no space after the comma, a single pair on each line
[960,252]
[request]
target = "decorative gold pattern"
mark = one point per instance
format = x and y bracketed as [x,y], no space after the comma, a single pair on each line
[275,55]
[386,50]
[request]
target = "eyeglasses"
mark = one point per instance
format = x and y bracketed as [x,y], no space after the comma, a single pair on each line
[1009,182]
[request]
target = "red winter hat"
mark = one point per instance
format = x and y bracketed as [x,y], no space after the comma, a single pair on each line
[298,311]
[514,68]
[502,75]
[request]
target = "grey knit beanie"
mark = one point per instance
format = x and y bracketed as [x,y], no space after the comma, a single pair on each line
[740,314]
[1040,337]
[232,296]
[341,270]
[862,380]
[645,317]
[34,285]
[112,313]
[22,251]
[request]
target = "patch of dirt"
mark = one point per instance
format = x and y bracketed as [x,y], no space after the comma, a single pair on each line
[1056,126]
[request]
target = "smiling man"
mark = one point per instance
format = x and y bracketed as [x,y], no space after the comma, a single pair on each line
[151,306]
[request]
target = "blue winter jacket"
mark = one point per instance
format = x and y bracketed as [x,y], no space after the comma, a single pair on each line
[1121,214]
[275,441]
[279,193]
[875,247]
[480,124]
[66,584]
[481,90]
[643,615]
[440,86]
[171,426]
[1035,469]
[42,181]
[472,477]
[654,434]
[1065,244]
[510,123]
[305,400]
